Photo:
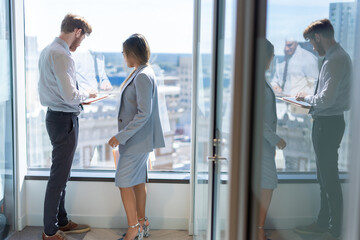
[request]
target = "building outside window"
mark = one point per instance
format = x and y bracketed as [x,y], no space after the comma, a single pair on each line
[169,32]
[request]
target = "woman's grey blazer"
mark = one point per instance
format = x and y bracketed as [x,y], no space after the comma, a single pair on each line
[270,122]
[139,123]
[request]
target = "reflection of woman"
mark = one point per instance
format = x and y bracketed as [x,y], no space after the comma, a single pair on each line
[270,141]
[139,133]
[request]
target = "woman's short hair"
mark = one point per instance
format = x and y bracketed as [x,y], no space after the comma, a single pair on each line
[138,46]
[72,21]
[323,27]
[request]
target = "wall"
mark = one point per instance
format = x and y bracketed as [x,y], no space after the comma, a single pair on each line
[99,204]
[294,204]
[168,205]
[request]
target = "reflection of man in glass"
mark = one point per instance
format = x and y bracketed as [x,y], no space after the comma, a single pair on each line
[329,101]
[297,72]
[90,71]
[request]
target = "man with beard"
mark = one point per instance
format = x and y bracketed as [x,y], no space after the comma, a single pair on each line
[329,102]
[59,91]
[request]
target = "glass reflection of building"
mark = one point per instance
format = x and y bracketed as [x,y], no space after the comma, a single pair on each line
[343,18]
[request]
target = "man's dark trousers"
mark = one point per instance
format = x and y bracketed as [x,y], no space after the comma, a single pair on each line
[63,129]
[327,134]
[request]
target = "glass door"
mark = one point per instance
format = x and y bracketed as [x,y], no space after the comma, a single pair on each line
[223,64]
[213,98]
[6,126]
[203,96]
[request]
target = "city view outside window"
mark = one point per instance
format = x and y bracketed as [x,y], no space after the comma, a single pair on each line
[296,67]
[168,27]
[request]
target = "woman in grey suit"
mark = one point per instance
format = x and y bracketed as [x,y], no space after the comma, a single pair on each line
[139,132]
[270,141]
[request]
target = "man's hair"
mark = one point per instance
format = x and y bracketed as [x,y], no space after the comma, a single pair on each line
[72,21]
[322,27]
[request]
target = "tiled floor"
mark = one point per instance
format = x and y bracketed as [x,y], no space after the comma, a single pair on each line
[289,235]
[34,233]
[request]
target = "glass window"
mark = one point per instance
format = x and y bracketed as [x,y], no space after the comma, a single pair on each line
[304,99]
[295,68]
[7,200]
[167,25]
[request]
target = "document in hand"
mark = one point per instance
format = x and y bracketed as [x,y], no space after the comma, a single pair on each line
[292,100]
[99,98]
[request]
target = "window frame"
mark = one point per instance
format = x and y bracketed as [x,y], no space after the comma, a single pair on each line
[20,103]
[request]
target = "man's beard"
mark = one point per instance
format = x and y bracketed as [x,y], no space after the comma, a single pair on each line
[75,44]
[320,49]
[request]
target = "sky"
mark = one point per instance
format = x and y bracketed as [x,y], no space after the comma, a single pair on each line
[289,18]
[167,24]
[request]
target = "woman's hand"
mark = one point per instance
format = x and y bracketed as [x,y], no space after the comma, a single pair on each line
[281,144]
[113,142]
[277,89]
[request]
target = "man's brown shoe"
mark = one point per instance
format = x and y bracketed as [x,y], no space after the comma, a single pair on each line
[313,229]
[72,227]
[58,236]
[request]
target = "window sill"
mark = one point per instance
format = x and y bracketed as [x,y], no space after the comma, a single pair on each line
[303,177]
[108,176]
[283,178]
[171,177]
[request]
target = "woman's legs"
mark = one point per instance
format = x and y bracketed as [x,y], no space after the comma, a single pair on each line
[140,195]
[129,201]
[266,195]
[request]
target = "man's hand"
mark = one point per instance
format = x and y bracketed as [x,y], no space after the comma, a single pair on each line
[300,96]
[113,142]
[277,89]
[281,144]
[92,94]
[106,86]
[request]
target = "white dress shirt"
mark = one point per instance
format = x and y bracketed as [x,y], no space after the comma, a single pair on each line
[333,93]
[57,83]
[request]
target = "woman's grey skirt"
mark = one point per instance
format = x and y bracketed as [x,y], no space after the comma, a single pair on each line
[269,178]
[131,170]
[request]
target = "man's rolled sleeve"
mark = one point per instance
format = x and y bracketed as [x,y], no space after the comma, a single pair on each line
[65,74]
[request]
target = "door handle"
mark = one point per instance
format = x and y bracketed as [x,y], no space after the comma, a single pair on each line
[215,159]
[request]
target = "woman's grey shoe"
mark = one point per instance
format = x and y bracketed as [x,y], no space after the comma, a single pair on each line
[262,228]
[140,235]
[146,228]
